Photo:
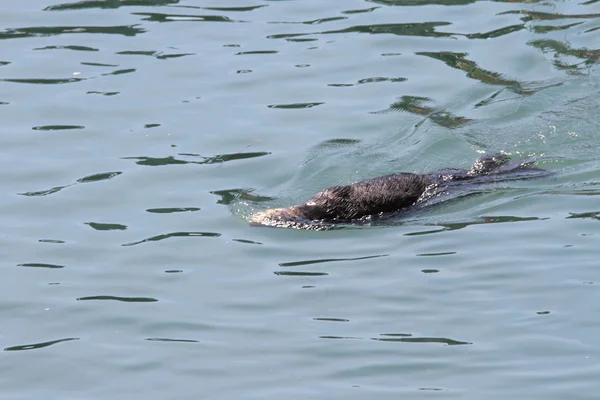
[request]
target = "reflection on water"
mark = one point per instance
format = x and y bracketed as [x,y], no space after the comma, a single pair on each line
[482,220]
[86,179]
[172,235]
[36,346]
[171,160]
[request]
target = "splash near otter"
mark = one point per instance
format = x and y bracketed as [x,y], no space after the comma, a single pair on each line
[375,197]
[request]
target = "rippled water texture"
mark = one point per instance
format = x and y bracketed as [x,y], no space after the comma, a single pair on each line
[139,135]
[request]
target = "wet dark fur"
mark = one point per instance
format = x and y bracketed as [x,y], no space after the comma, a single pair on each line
[391,193]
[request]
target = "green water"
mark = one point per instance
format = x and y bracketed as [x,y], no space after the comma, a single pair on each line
[138,136]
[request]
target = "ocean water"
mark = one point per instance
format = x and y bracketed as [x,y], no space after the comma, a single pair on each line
[138,137]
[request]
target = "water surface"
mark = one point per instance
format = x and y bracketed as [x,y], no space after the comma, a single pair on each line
[138,136]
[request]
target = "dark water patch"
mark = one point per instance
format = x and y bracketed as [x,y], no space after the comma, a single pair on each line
[231,45]
[431,389]
[407,338]
[390,54]
[328,260]
[94,64]
[217,159]
[314,21]
[243,71]
[171,235]
[563,55]
[430,271]
[234,9]
[56,241]
[45,192]
[497,32]
[369,80]
[103,93]
[448,120]
[76,48]
[41,265]
[148,126]
[338,337]
[106,227]
[169,56]
[588,215]
[473,71]
[241,53]
[300,273]
[544,29]
[157,54]
[173,271]
[295,105]
[414,105]
[592,30]
[3,63]
[99,177]
[338,143]
[423,2]
[332,319]
[136,53]
[245,241]
[88,4]
[158,17]
[364,10]
[380,79]
[229,196]
[542,16]
[422,29]
[543,312]
[287,35]
[119,298]
[57,127]
[4,103]
[302,40]
[40,345]
[87,179]
[411,104]
[172,340]
[447,253]
[172,210]
[43,81]
[17,33]
[482,220]
[120,72]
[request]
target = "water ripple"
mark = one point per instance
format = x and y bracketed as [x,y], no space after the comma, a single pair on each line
[119,298]
[41,265]
[106,227]
[328,260]
[17,33]
[172,340]
[40,345]
[86,179]
[90,4]
[217,159]
[171,210]
[159,17]
[404,337]
[173,234]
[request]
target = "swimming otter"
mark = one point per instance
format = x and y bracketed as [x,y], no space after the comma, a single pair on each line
[396,192]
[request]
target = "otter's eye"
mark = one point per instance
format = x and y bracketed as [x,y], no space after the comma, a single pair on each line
[311,203]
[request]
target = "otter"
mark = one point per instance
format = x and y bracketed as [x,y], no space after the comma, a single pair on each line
[376,197]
